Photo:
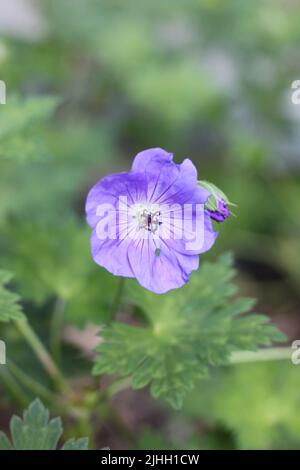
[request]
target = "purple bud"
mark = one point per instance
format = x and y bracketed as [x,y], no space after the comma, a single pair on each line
[221,213]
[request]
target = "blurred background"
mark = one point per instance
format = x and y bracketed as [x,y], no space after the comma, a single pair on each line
[205,79]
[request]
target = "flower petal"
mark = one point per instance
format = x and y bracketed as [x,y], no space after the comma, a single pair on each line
[186,239]
[161,273]
[155,156]
[109,190]
[167,181]
[112,254]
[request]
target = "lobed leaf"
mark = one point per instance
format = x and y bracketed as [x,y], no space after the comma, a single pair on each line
[36,432]
[10,309]
[189,331]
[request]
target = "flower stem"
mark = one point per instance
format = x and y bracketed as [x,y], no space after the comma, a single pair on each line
[13,386]
[42,354]
[37,388]
[117,386]
[56,328]
[118,297]
[268,354]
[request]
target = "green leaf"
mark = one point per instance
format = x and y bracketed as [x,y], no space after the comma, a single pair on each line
[266,396]
[36,432]
[4,442]
[63,268]
[18,126]
[10,309]
[187,332]
[76,444]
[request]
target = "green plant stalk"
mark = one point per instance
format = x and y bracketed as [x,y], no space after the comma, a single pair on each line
[38,389]
[118,297]
[56,329]
[42,354]
[12,385]
[268,354]
[117,386]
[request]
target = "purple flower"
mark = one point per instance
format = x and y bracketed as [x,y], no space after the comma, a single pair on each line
[150,223]
[221,213]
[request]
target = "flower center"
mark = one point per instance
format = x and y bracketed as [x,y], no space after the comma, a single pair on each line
[149,220]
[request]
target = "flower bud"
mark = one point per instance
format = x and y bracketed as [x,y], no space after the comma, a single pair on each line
[217,204]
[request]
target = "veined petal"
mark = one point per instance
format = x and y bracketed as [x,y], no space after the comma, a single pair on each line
[166,180]
[122,189]
[112,254]
[155,156]
[189,237]
[161,273]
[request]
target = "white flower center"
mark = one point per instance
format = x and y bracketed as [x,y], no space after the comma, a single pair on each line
[148,218]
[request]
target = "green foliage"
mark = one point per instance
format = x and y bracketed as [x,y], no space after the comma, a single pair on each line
[189,331]
[10,308]
[61,267]
[22,136]
[151,440]
[36,432]
[50,189]
[266,396]
[19,125]
[215,195]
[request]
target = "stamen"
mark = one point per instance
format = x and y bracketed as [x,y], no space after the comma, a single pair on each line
[149,220]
